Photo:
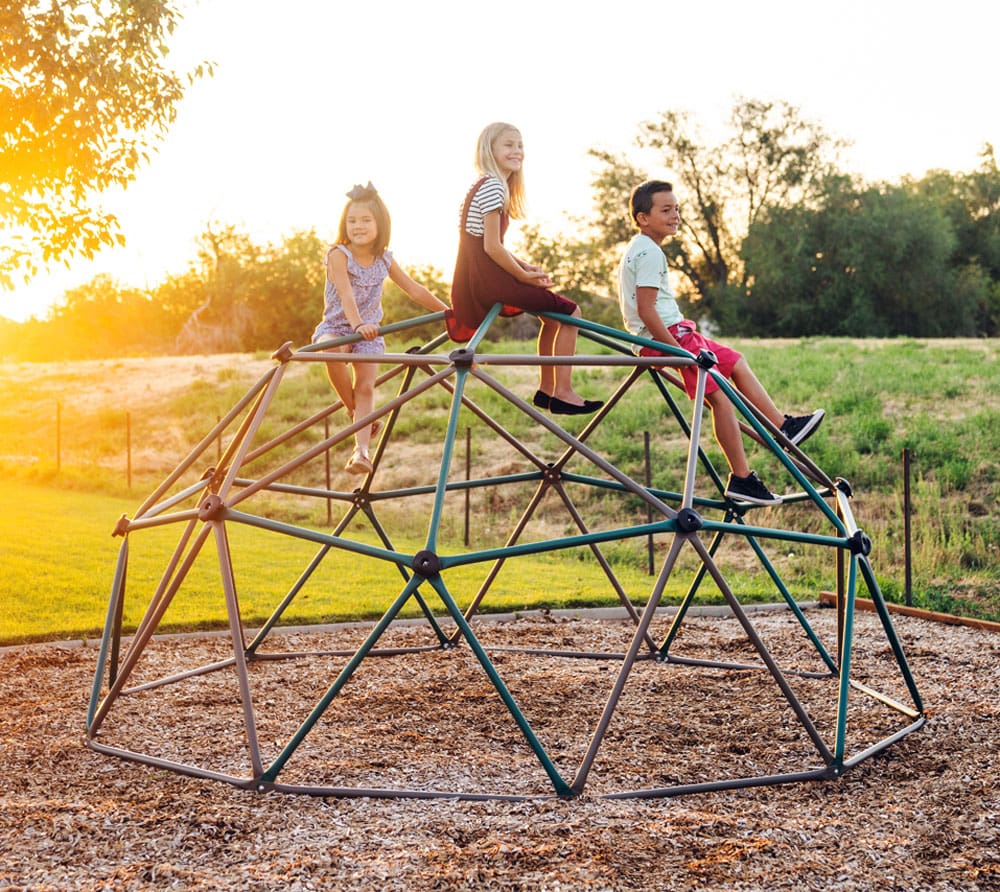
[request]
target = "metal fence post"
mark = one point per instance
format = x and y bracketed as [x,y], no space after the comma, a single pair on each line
[468,474]
[907,562]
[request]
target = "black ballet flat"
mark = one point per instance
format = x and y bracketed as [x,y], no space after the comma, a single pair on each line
[561,407]
[541,399]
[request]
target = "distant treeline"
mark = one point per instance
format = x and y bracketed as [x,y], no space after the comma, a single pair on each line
[775,241]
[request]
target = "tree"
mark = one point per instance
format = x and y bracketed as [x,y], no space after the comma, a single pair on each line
[85,94]
[584,266]
[773,158]
[100,318]
[972,204]
[286,291]
[869,261]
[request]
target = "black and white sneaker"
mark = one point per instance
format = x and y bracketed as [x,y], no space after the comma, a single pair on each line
[750,489]
[798,428]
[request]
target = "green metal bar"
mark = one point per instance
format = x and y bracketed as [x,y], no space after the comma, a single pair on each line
[177,498]
[154,613]
[271,773]
[559,784]
[783,535]
[897,648]
[779,453]
[165,579]
[542,547]
[278,611]
[417,596]
[762,650]
[445,467]
[389,328]
[793,605]
[309,535]
[112,628]
[845,663]
[161,520]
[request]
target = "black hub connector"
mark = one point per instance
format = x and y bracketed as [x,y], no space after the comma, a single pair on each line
[283,353]
[210,507]
[688,520]
[706,359]
[463,357]
[859,543]
[426,563]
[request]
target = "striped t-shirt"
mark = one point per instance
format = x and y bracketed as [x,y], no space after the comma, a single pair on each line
[489,197]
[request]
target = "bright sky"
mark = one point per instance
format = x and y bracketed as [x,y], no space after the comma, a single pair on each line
[310,97]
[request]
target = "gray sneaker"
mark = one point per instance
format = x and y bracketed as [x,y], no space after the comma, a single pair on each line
[798,428]
[750,489]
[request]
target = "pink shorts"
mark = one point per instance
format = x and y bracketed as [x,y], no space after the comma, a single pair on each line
[687,335]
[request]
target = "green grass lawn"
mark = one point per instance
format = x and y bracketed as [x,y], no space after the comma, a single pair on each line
[938,399]
[59,559]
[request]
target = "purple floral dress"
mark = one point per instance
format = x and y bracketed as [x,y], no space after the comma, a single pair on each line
[366,283]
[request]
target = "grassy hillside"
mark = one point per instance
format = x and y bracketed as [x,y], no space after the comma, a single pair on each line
[102,434]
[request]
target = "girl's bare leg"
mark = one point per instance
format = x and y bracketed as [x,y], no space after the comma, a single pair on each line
[340,377]
[558,340]
[364,400]
[546,347]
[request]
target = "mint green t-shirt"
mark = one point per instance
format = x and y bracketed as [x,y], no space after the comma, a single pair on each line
[644,266]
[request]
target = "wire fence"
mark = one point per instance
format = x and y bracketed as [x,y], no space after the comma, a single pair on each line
[907,465]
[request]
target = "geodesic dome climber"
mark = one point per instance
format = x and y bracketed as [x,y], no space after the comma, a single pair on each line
[446,703]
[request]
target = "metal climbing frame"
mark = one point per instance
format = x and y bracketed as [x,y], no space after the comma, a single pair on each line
[219,498]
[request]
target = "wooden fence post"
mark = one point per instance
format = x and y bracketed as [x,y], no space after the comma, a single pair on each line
[128,448]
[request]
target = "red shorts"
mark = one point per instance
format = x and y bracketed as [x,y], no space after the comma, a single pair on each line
[687,335]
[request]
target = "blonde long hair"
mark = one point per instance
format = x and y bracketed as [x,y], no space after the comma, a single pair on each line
[486,163]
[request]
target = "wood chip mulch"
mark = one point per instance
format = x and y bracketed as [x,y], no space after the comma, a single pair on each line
[923,814]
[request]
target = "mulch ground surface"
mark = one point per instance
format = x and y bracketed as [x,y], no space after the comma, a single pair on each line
[923,814]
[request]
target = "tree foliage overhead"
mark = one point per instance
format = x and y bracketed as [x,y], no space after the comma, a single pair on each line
[85,93]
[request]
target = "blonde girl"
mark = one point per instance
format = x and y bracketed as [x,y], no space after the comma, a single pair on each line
[487,273]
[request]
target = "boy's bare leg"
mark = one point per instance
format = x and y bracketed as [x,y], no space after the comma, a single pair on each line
[754,391]
[727,432]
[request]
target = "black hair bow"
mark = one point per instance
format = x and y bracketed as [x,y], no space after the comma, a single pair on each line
[360,192]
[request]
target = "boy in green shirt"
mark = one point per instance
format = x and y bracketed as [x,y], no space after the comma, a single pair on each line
[650,311]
